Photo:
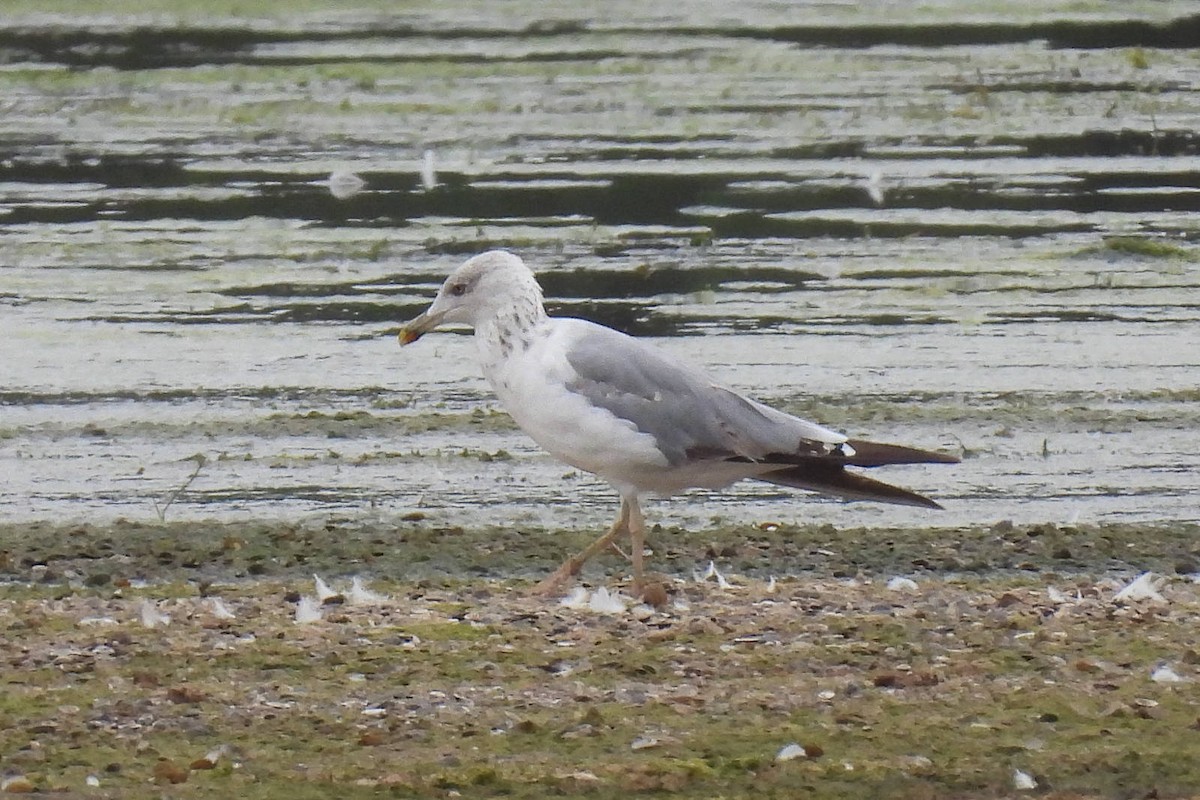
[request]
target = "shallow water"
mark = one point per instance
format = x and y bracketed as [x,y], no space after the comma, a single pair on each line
[178,280]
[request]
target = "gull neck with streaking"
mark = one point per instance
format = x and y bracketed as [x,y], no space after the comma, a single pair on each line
[509,318]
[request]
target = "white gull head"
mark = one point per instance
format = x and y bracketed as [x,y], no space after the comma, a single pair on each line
[492,287]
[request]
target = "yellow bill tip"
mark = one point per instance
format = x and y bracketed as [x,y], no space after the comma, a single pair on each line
[408,336]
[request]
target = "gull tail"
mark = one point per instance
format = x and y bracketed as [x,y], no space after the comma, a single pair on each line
[834,479]
[827,474]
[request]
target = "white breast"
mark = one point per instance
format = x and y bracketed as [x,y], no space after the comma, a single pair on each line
[530,373]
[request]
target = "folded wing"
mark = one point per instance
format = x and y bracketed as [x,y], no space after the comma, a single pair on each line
[694,421]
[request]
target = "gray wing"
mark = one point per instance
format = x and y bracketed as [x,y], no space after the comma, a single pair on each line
[691,418]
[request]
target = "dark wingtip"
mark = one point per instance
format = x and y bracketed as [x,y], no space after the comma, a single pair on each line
[835,480]
[878,454]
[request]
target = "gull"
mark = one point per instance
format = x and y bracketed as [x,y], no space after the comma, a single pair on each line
[636,416]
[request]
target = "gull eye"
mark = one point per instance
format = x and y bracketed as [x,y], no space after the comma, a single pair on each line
[458,289]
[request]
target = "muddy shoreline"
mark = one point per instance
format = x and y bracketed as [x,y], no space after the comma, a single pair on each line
[419,547]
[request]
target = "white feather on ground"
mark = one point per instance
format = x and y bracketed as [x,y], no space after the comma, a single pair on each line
[605,602]
[790,752]
[324,592]
[1145,587]
[308,610]
[577,599]
[712,572]
[600,601]
[1023,781]
[1164,674]
[219,609]
[428,170]
[343,183]
[875,188]
[360,595]
[152,617]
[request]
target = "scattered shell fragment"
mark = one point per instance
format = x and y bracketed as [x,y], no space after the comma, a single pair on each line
[917,763]
[582,777]
[151,616]
[642,612]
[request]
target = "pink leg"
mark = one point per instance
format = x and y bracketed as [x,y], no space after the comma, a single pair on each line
[637,544]
[570,568]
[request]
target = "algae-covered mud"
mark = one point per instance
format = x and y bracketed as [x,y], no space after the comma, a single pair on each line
[967,226]
[968,687]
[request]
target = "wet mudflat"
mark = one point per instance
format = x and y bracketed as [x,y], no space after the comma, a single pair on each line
[971,228]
